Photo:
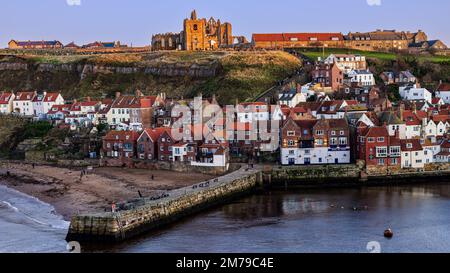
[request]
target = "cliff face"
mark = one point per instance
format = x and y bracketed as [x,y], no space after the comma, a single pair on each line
[84,70]
[177,74]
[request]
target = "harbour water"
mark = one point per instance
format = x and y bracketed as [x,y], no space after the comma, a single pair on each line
[317,221]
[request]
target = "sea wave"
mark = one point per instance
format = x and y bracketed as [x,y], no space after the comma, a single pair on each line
[31,208]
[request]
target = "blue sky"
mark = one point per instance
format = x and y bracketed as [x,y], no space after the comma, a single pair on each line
[134,21]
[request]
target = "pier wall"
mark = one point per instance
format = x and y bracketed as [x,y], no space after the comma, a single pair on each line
[343,175]
[143,215]
[312,175]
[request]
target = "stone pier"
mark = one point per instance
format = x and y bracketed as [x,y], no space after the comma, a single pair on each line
[142,215]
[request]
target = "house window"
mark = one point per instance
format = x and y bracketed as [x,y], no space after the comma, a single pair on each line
[394,161]
[291,143]
[380,139]
[380,161]
[409,145]
[319,132]
[381,151]
[333,133]
[370,139]
[333,141]
[342,141]
[291,133]
[394,151]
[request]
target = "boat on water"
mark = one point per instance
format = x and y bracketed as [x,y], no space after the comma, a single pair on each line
[388,233]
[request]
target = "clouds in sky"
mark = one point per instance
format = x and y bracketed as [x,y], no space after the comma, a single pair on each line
[73,2]
[374,2]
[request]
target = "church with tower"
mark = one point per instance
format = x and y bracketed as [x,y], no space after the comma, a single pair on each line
[198,34]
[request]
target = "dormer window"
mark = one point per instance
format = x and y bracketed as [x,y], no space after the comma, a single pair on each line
[409,145]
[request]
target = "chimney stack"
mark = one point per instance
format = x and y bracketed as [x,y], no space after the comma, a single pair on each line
[402,110]
[397,133]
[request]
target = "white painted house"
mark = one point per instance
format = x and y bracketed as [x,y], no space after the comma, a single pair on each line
[51,99]
[413,155]
[414,93]
[435,128]
[347,62]
[38,105]
[361,77]
[443,92]
[308,142]
[253,111]
[291,98]
[23,103]
[431,149]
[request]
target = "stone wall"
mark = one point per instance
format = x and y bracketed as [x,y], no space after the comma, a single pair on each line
[148,215]
[341,175]
[312,175]
[376,171]
[168,166]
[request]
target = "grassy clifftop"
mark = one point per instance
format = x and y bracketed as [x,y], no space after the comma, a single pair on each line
[238,75]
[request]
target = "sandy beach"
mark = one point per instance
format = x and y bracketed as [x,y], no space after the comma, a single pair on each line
[70,194]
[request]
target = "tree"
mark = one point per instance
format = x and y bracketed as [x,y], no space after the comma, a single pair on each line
[393,93]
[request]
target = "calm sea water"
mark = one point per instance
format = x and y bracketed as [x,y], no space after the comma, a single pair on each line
[315,221]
